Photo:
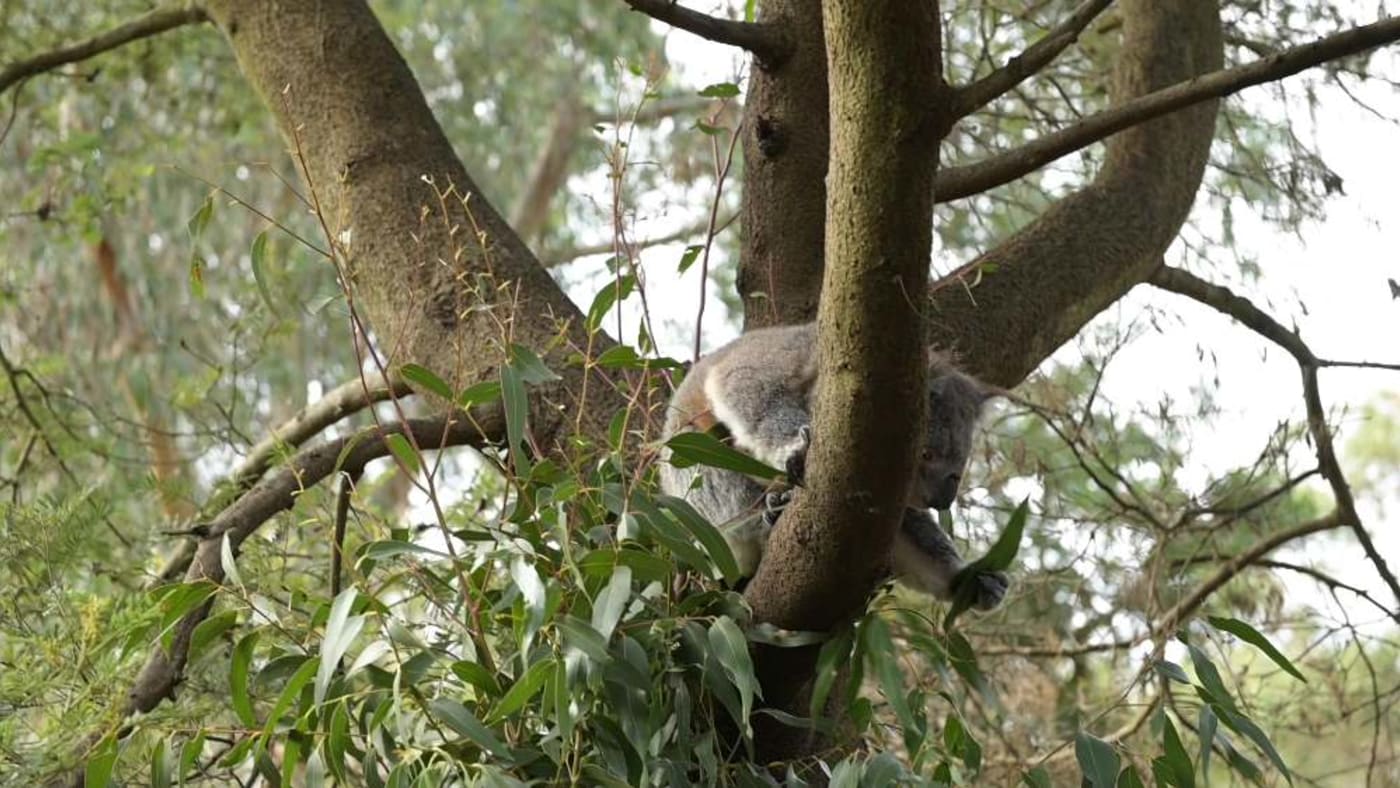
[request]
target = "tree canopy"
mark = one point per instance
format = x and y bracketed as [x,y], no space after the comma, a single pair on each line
[336,341]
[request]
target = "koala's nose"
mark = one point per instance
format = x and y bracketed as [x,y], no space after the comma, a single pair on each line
[944,490]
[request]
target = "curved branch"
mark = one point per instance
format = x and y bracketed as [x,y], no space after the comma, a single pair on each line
[1223,300]
[764,41]
[1226,302]
[149,24]
[1165,625]
[1325,579]
[965,181]
[973,97]
[349,397]
[1007,311]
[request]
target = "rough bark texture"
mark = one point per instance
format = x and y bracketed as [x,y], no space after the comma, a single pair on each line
[422,269]
[886,119]
[1094,245]
[785,154]
[885,79]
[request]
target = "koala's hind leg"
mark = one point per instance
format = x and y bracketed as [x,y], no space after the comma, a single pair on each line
[924,558]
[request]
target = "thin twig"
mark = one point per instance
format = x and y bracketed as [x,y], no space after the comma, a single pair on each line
[563,256]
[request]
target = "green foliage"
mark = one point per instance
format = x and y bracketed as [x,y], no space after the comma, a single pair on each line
[559,623]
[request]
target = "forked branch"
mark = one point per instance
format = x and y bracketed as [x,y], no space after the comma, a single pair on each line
[348,398]
[1226,302]
[965,181]
[148,24]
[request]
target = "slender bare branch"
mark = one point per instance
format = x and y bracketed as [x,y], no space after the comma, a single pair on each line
[553,258]
[1165,625]
[1324,362]
[148,24]
[1325,579]
[341,401]
[973,97]
[1065,651]
[965,181]
[1226,302]
[657,109]
[766,42]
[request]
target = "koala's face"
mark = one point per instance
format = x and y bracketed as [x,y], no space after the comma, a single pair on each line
[954,404]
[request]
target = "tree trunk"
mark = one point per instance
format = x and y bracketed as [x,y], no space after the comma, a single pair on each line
[1055,275]
[445,282]
[889,112]
[785,156]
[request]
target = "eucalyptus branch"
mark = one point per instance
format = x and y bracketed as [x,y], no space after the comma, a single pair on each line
[165,666]
[1187,605]
[965,181]
[1018,69]
[148,24]
[1223,300]
[349,397]
[766,42]
[562,256]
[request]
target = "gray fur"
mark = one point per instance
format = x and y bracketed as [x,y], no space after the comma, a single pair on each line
[760,387]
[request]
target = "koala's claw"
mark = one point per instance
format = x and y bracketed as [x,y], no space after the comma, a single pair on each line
[796,465]
[774,504]
[991,589]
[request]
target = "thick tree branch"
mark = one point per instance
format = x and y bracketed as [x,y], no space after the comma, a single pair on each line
[1226,302]
[883,61]
[766,42]
[435,266]
[149,24]
[973,97]
[1011,308]
[965,181]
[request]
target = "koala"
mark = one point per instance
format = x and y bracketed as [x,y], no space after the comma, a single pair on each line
[758,391]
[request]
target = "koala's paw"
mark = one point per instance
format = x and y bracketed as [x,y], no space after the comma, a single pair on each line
[796,465]
[990,589]
[774,504]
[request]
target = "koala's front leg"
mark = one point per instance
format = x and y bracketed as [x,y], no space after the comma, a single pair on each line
[924,557]
[776,502]
[795,466]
